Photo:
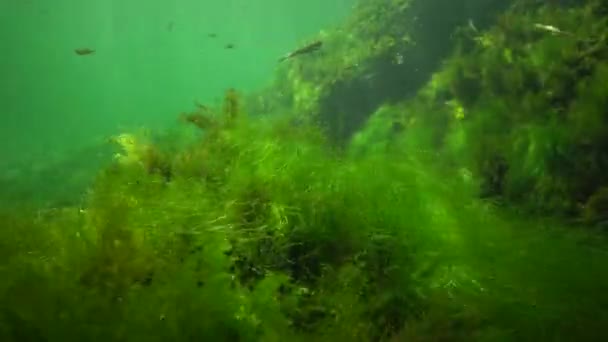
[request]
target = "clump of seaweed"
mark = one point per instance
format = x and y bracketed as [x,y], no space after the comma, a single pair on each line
[208,119]
[519,104]
[139,152]
[595,211]
[231,109]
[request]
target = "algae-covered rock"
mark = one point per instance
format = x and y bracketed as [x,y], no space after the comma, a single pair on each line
[515,92]
[527,101]
[384,52]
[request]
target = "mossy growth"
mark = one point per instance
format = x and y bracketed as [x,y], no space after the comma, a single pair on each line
[521,107]
[264,233]
[256,234]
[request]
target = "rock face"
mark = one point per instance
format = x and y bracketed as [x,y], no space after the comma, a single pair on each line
[512,91]
[384,52]
[522,105]
[417,38]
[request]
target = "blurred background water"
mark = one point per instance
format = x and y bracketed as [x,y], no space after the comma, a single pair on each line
[152,60]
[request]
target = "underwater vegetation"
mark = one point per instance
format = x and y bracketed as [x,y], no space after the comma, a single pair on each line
[514,97]
[384,52]
[523,108]
[268,218]
[257,230]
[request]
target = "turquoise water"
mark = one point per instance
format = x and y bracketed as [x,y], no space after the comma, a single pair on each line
[152,60]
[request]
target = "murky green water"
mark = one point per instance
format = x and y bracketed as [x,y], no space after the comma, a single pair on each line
[380,170]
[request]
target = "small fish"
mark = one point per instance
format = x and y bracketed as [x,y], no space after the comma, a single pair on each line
[197,119]
[552,29]
[312,47]
[170,26]
[229,46]
[84,51]
[212,35]
[200,106]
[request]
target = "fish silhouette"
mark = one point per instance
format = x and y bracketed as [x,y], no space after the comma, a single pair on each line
[84,51]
